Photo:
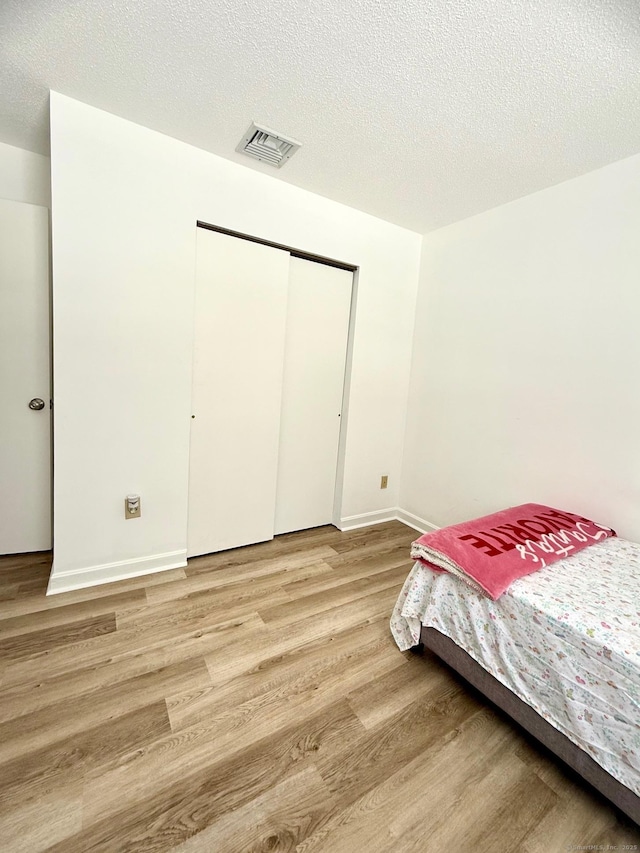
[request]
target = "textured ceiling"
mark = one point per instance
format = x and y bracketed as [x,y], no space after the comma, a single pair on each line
[419,112]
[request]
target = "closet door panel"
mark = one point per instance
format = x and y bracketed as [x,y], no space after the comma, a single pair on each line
[240,315]
[25,341]
[314,367]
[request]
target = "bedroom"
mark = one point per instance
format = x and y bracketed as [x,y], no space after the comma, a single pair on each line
[547,368]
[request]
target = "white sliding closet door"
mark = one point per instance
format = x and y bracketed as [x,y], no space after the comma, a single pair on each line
[314,369]
[241,300]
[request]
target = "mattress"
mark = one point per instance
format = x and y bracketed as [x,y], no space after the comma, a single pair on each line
[565,640]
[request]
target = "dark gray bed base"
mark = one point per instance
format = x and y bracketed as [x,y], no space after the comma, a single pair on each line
[576,758]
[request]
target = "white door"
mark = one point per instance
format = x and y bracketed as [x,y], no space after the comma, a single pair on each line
[25,433]
[314,368]
[240,313]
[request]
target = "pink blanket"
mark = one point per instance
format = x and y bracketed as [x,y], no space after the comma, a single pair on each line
[489,553]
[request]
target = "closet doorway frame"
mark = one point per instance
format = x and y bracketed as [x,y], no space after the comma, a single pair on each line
[346,388]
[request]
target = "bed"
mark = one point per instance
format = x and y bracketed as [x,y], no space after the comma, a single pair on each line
[559,651]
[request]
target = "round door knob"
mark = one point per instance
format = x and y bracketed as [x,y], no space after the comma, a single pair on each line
[36,404]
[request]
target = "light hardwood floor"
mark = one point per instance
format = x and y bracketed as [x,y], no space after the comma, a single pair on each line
[255,701]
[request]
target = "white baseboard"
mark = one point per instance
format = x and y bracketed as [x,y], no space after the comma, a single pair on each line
[415,521]
[366,519]
[65,581]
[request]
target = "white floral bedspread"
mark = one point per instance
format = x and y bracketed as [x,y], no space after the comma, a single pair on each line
[565,639]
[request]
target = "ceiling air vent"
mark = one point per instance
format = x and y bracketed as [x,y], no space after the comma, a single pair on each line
[268,146]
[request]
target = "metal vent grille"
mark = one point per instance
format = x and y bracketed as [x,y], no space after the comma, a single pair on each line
[268,146]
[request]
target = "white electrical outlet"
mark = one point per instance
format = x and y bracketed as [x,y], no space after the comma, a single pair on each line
[132,506]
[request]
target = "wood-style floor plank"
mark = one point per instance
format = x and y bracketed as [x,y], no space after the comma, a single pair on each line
[347,569]
[377,816]
[380,752]
[38,601]
[398,690]
[185,804]
[30,643]
[290,672]
[328,599]
[248,723]
[28,696]
[279,819]
[483,795]
[249,651]
[304,542]
[312,561]
[128,641]
[61,616]
[207,606]
[255,701]
[39,729]
[40,823]
[64,761]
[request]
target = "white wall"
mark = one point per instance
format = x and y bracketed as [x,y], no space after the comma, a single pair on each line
[125,204]
[24,176]
[525,376]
